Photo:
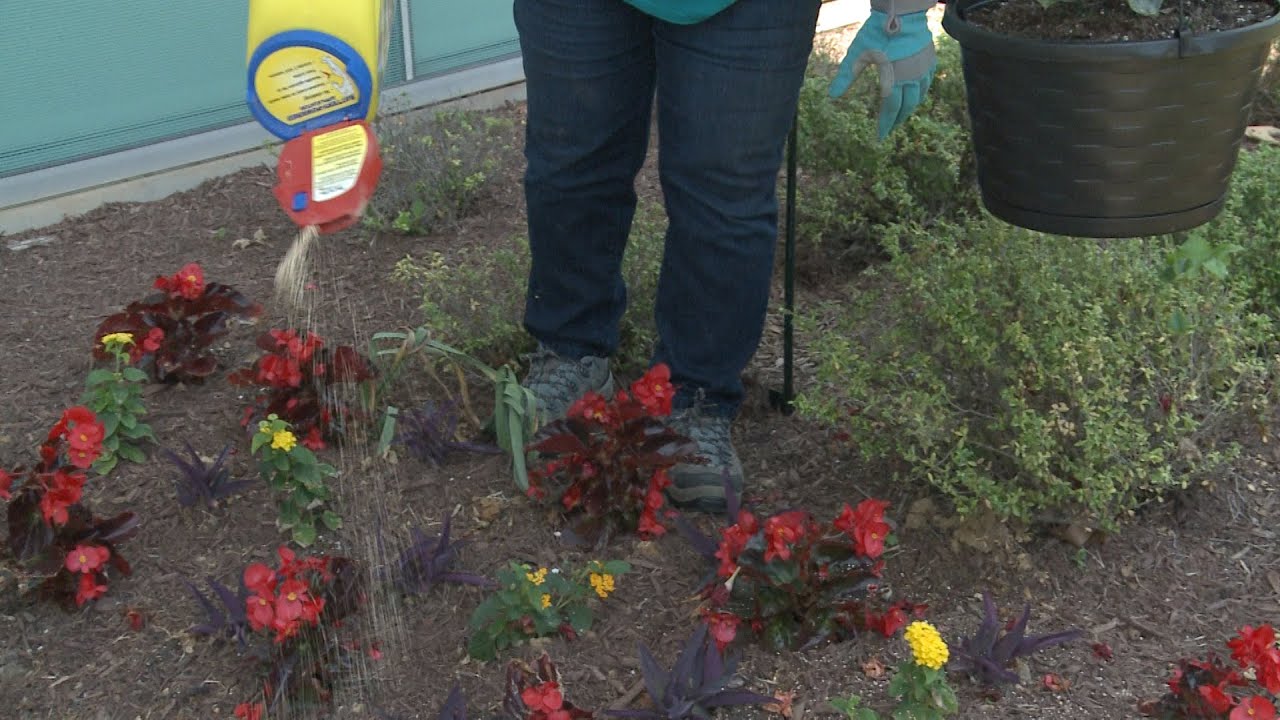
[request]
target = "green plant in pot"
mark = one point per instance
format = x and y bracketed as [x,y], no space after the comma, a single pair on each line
[1109,118]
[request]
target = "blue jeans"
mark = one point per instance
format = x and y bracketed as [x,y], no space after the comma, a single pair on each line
[726,92]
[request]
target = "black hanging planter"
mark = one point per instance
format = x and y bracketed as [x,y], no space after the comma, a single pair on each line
[1115,139]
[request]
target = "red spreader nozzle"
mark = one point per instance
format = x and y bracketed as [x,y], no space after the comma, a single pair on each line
[327,176]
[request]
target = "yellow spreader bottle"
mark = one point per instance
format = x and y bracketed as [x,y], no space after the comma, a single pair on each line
[313,81]
[314,63]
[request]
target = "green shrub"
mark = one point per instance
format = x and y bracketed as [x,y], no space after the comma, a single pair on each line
[436,170]
[1038,375]
[474,301]
[855,186]
[1251,219]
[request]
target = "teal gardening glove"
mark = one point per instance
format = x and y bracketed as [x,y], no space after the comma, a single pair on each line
[897,40]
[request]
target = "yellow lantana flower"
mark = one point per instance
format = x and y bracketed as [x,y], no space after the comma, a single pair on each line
[283,440]
[602,583]
[537,578]
[119,338]
[927,645]
[546,601]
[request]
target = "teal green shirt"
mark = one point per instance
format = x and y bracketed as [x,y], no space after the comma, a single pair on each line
[682,12]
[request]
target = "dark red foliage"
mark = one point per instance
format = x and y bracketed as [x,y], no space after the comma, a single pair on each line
[298,608]
[893,619]
[298,377]
[51,532]
[1212,688]
[797,582]
[1200,689]
[611,459]
[174,329]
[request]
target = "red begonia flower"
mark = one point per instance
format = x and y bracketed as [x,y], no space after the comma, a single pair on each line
[151,343]
[1254,707]
[313,440]
[261,611]
[86,558]
[723,628]
[571,497]
[311,609]
[781,532]
[654,390]
[289,601]
[543,698]
[648,527]
[86,436]
[592,406]
[260,579]
[1217,699]
[732,541]
[1251,643]
[288,561]
[64,492]
[89,589]
[189,282]
[79,414]
[870,529]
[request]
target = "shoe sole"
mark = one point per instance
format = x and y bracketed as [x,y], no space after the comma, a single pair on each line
[699,499]
[707,497]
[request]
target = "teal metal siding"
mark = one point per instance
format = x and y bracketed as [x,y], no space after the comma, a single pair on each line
[394,73]
[449,34]
[82,78]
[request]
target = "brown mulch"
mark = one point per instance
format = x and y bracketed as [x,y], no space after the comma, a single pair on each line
[1114,21]
[1180,578]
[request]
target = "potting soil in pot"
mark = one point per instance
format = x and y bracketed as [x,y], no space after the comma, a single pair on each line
[1114,20]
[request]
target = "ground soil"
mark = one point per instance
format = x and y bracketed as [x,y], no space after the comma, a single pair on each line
[1113,20]
[1178,580]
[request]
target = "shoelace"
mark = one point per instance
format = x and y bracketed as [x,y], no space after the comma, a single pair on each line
[554,378]
[711,434]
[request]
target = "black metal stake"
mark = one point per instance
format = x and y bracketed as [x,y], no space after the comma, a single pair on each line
[784,401]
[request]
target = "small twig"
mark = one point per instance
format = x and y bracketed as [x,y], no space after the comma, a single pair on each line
[1144,627]
[629,697]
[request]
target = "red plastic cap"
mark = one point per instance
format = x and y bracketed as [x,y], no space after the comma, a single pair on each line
[327,176]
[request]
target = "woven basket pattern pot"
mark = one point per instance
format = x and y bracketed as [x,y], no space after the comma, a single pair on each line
[1108,139]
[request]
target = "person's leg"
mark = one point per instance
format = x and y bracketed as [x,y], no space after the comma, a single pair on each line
[727,94]
[589,69]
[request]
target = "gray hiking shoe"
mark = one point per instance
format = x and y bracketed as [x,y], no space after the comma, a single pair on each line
[558,381]
[702,487]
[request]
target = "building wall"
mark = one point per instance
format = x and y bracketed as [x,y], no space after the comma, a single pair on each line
[83,78]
